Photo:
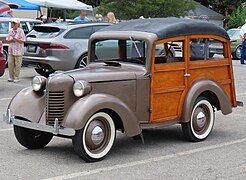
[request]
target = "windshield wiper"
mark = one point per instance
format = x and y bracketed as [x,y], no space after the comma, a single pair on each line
[112,63]
[135,45]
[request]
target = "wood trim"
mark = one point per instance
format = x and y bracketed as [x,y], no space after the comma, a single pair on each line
[167,90]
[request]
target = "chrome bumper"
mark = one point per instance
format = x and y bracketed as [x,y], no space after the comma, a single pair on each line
[56,129]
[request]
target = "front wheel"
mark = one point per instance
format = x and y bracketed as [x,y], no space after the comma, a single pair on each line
[94,141]
[32,139]
[201,121]
[237,53]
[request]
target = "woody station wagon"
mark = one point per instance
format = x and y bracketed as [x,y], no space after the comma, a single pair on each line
[135,91]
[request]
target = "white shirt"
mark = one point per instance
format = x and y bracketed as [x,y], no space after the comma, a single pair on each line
[243,31]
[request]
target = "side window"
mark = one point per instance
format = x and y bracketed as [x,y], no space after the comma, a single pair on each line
[23,25]
[96,28]
[79,33]
[4,27]
[169,52]
[216,49]
[205,49]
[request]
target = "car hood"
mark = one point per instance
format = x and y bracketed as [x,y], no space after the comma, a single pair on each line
[103,73]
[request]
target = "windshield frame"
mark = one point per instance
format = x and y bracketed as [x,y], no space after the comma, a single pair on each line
[132,51]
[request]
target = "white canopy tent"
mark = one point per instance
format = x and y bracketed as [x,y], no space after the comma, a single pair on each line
[62,4]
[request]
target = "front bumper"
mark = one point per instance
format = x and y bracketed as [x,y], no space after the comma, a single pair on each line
[56,129]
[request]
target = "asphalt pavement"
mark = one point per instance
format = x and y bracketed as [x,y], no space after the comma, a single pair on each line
[165,154]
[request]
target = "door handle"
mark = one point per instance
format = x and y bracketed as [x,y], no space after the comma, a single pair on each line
[187,75]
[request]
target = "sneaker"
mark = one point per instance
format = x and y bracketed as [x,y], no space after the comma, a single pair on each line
[10,80]
[16,80]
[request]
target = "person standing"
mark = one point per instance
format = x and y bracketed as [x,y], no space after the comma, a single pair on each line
[82,17]
[243,36]
[111,17]
[16,38]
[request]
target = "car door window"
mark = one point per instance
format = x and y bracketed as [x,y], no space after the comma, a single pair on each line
[96,28]
[23,25]
[79,33]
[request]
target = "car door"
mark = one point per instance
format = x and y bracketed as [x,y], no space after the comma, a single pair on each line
[168,81]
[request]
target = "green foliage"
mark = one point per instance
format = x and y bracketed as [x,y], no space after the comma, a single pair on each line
[238,17]
[130,9]
[224,7]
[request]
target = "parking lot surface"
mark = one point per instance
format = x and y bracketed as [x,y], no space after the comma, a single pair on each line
[165,154]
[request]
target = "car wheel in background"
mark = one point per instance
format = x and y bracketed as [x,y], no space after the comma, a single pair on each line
[5,54]
[44,71]
[237,53]
[82,62]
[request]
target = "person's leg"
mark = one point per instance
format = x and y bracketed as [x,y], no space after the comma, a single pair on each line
[11,66]
[18,62]
[243,52]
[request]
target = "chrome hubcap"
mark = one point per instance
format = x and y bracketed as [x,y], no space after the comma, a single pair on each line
[201,119]
[97,135]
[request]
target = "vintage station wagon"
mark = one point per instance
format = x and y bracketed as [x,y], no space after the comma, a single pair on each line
[135,91]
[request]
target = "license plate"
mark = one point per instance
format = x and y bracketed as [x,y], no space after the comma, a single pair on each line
[31,48]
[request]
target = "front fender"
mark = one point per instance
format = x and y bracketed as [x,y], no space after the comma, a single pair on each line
[84,108]
[28,104]
[197,89]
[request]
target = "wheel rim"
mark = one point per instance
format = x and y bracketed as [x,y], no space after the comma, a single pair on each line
[202,119]
[5,55]
[98,135]
[83,61]
[238,52]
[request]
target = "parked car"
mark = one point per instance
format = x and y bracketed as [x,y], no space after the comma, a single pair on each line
[5,25]
[130,92]
[236,42]
[59,46]
[2,61]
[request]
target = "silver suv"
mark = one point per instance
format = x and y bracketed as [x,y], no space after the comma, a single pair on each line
[59,46]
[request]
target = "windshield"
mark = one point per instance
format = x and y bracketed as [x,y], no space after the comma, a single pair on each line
[130,51]
[234,33]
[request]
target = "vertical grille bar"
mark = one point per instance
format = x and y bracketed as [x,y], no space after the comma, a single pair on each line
[54,106]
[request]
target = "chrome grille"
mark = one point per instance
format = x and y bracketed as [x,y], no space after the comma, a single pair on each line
[54,106]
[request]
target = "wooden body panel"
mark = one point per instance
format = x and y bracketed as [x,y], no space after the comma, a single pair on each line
[170,82]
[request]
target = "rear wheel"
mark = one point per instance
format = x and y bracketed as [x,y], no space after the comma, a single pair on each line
[201,121]
[94,141]
[237,53]
[82,62]
[44,71]
[32,139]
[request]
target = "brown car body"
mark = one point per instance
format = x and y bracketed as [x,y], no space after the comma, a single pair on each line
[132,96]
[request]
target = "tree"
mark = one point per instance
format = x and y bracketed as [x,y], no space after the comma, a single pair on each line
[94,3]
[238,17]
[130,9]
[225,7]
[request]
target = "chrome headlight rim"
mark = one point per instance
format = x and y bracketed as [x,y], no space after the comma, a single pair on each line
[38,83]
[81,88]
[78,88]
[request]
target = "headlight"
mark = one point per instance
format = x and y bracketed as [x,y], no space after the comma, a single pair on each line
[81,88]
[38,83]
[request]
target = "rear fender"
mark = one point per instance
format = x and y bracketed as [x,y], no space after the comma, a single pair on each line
[196,90]
[84,108]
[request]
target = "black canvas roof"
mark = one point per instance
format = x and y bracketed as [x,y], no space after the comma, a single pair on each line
[169,27]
